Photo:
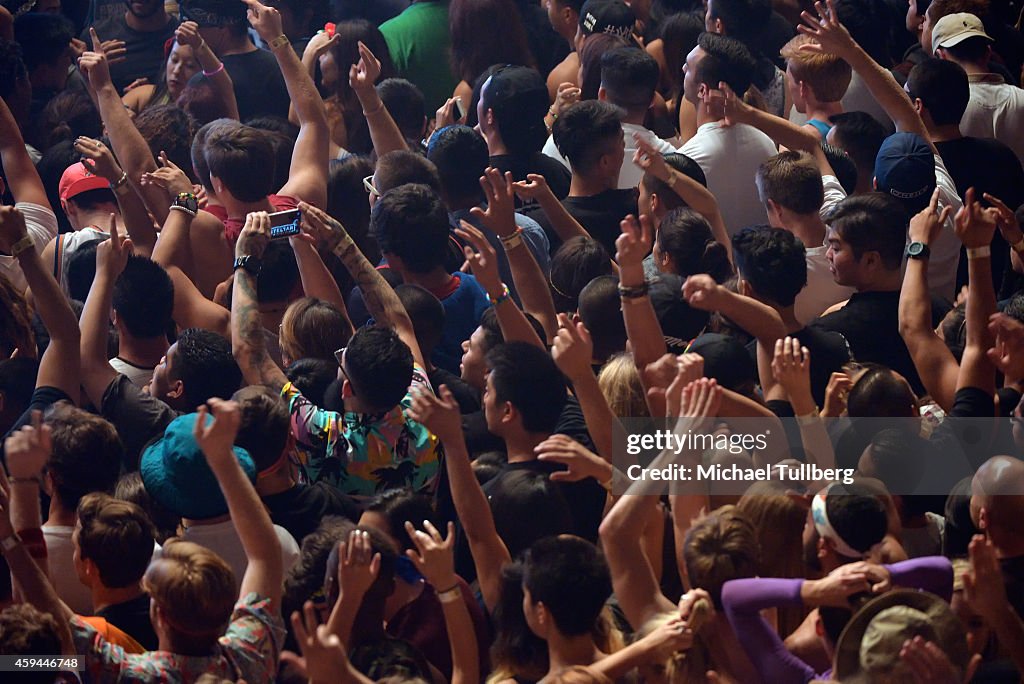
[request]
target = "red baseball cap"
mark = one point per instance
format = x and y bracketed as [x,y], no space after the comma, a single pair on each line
[77,179]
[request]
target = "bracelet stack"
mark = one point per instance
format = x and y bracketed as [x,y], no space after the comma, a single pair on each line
[512,241]
[634,292]
[502,298]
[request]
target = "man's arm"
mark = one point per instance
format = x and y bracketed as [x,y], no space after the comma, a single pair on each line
[935,363]
[264,574]
[381,300]
[247,341]
[22,178]
[307,176]
[642,326]
[60,365]
[573,353]
[384,132]
[536,188]
[975,227]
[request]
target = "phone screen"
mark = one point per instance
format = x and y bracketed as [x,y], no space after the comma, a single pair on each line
[285,224]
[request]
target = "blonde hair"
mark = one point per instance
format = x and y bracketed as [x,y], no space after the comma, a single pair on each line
[195,591]
[691,664]
[827,75]
[719,547]
[313,328]
[619,381]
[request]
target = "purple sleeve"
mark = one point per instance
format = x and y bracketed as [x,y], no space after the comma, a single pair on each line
[743,599]
[930,573]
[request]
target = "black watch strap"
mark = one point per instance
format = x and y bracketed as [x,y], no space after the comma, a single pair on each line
[249,264]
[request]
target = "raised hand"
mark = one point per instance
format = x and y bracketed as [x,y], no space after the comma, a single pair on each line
[12,228]
[838,389]
[358,565]
[702,292]
[321,225]
[112,255]
[580,462]
[689,368]
[434,557]
[499,216]
[984,589]
[650,160]
[28,449]
[445,115]
[573,349]
[482,258]
[168,177]
[791,366]
[732,106]
[929,663]
[668,639]
[531,189]
[827,30]
[98,159]
[217,437]
[95,65]
[364,74]
[567,95]
[925,226]
[836,588]
[187,33]
[1008,224]
[323,652]
[635,242]
[975,226]
[255,235]
[266,20]
[701,399]
[440,414]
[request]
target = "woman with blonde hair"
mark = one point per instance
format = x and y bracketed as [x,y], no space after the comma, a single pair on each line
[619,381]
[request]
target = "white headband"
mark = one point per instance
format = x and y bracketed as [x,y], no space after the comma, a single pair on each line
[819,514]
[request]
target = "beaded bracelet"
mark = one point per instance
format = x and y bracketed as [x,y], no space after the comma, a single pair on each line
[500,299]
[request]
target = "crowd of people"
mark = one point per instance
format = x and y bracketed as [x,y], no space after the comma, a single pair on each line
[328,330]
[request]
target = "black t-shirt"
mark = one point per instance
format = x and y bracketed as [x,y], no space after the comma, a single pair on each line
[42,399]
[259,85]
[464,393]
[521,165]
[870,324]
[599,214]
[132,618]
[829,352]
[300,509]
[144,56]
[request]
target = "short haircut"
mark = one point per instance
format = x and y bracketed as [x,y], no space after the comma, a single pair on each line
[169,129]
[857,516]
[899,459]
[877,392]
[117,536]
[402,167]
[27,631]
[44,37]
[843,167]
[719,547]
[405,104]
[426,313]
[86,456]
[518,98]
[527,377]
[411,222]
[942,87]
[194,589]
[279,274]
[379,366]
[773,261]
[198,152]
[578,261]
[313,377]
[666,195]
[629,76]
[792,180]
[242,158]
[461,157]
[860,135]
[586,131]
[144,298]
[399,506]
[12,68]
[725,59]
[827,75]
[205,366]
[265,425]
[527,506]
[601,311]
[313,328]
[686,236]
[492,335]
[743,19]
[873,222]
[570,577]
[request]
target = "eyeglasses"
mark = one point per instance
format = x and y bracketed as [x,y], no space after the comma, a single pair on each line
[339,356]
[368,186]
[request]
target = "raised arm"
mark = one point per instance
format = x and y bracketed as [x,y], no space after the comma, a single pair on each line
[381,300]
[642,325]
[791,367]
[441,416]
[60,366]
[933,360]
[317,46]
[832,37]
[975,227]
[384,132]
[307,176]
[317,281]
[264,574]
[527,275]
[573,351]
[20,172]
[536,188]
[187,33]
[248,343]
[111,258]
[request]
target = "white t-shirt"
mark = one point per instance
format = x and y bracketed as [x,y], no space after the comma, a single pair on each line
[945,251]
[630,174]
[42,227]
[729,157]
[222,539]
[822,291]
[68,244]
[995,110]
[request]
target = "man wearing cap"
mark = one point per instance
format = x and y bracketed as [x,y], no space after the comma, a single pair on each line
[143,28]
[996,108]
[604,16]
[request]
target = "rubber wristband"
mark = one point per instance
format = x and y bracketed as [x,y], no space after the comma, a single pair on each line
[22,245]
[979,252]
[635,292]
[214,72]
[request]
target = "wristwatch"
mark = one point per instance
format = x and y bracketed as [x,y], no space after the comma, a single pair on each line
[187,202]
[250,264]
[918,250]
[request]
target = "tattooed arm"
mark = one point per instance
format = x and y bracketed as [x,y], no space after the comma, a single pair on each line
[247,342]
[381,300]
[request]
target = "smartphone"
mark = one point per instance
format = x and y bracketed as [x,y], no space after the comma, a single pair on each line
[460,111]
[285,224]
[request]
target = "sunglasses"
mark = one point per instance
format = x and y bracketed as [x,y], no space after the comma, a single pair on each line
[368,186]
